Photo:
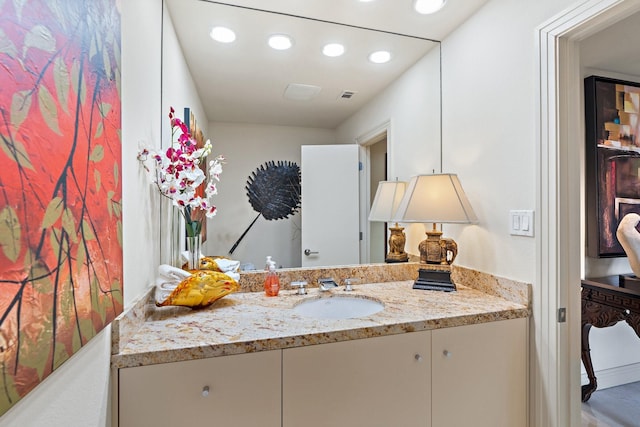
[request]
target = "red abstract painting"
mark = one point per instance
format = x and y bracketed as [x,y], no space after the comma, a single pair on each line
[60,184]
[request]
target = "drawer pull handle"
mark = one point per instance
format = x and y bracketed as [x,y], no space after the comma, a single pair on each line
[205,391]
[418,357]
[446,354]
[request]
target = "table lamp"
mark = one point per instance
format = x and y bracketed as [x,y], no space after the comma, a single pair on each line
[385,203]
[437,198]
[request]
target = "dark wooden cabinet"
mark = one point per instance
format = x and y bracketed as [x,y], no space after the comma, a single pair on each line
[605,302]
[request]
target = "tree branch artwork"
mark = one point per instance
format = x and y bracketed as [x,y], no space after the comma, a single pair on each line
[60,189]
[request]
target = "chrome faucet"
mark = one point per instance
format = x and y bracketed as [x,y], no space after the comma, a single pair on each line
[301,287]
[348,283]
[326,284]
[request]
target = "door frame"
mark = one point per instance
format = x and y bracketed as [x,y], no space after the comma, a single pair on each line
[365,140]
[555,347]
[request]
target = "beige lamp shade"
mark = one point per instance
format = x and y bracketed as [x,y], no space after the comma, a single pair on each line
[435,198]
[386,201]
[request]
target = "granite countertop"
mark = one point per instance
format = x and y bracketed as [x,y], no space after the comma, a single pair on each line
[250,321]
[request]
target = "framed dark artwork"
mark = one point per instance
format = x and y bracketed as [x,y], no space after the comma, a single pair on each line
[612,108]
[60,184]
[198,136]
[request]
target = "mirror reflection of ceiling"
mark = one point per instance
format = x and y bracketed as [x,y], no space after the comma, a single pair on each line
[396,16]
[245,81]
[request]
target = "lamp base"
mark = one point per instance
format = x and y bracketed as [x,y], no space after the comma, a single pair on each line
[437,250]
[394,260]
[397,240]
[434,279]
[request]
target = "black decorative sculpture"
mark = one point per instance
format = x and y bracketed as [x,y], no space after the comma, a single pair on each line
[274,192]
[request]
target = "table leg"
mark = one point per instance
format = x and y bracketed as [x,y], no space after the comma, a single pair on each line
[633,320]
[600,316]
[587,389]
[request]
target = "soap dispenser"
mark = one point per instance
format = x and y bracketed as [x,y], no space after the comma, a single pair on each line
[271,281]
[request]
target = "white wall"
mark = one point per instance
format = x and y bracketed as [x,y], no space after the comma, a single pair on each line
[246,147]
[178,91]
[489,129]
[489,133]
[78,393]
[412,106]
[178,88]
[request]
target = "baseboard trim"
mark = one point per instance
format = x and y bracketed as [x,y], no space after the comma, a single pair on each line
[613,377]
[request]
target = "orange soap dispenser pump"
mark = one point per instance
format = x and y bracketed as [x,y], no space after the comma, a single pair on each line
[271,281]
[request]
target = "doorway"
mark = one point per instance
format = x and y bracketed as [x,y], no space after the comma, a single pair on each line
[377,172]
[374,147]
[555,356]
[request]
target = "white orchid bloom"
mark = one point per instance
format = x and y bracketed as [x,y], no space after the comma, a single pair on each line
[193,176]
[179,176]
[211,189]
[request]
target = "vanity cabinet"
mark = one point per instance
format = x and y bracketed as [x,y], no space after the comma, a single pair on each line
[479,375]
[382,381]
[239,390]
[474,375]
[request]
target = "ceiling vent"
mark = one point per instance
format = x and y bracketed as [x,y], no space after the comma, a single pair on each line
[347,94]
[301,92]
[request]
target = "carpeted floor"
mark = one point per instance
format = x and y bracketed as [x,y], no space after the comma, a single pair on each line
[613,407]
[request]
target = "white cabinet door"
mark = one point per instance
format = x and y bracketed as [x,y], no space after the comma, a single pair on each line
[383,381]
[243,390]
[479,375]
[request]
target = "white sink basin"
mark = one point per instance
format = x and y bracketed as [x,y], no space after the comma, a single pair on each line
[338,307]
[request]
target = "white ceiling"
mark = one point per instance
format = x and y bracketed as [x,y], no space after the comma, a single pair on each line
[614,49]
[244,81]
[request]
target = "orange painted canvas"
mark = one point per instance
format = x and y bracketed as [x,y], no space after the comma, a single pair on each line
[60,184]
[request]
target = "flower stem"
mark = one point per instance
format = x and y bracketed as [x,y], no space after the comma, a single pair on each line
[193,226]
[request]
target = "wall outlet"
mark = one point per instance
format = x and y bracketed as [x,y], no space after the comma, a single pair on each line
[521,223]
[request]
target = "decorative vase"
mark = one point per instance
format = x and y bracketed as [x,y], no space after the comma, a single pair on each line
[193,252]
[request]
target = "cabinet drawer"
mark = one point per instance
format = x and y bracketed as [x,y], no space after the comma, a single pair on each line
[243,390]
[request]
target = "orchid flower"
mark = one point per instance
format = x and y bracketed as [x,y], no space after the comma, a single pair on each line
[179,174]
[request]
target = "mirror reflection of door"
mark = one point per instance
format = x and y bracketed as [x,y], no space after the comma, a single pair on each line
[330,209]
[377,173]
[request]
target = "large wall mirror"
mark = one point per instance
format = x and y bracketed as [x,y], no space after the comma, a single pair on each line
[258,104]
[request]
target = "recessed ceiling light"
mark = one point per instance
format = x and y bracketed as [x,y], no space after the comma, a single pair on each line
[222,34]
[333,49]
[426,7]
[280,41]
[365,1]
[380,57]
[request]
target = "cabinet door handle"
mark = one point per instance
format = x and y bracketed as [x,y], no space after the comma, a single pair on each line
[205,391]
[418,357]
[447,354]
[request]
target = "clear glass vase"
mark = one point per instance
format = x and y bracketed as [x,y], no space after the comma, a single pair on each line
[193,252]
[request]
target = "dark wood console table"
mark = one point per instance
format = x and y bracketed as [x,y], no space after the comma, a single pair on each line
[604,303]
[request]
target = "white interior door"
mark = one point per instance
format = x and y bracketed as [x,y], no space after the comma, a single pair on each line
[330,207]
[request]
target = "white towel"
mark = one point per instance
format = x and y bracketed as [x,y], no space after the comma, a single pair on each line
[168,279]
[229,267]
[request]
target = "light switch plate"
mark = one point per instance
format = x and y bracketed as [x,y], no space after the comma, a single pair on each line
[521,223]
